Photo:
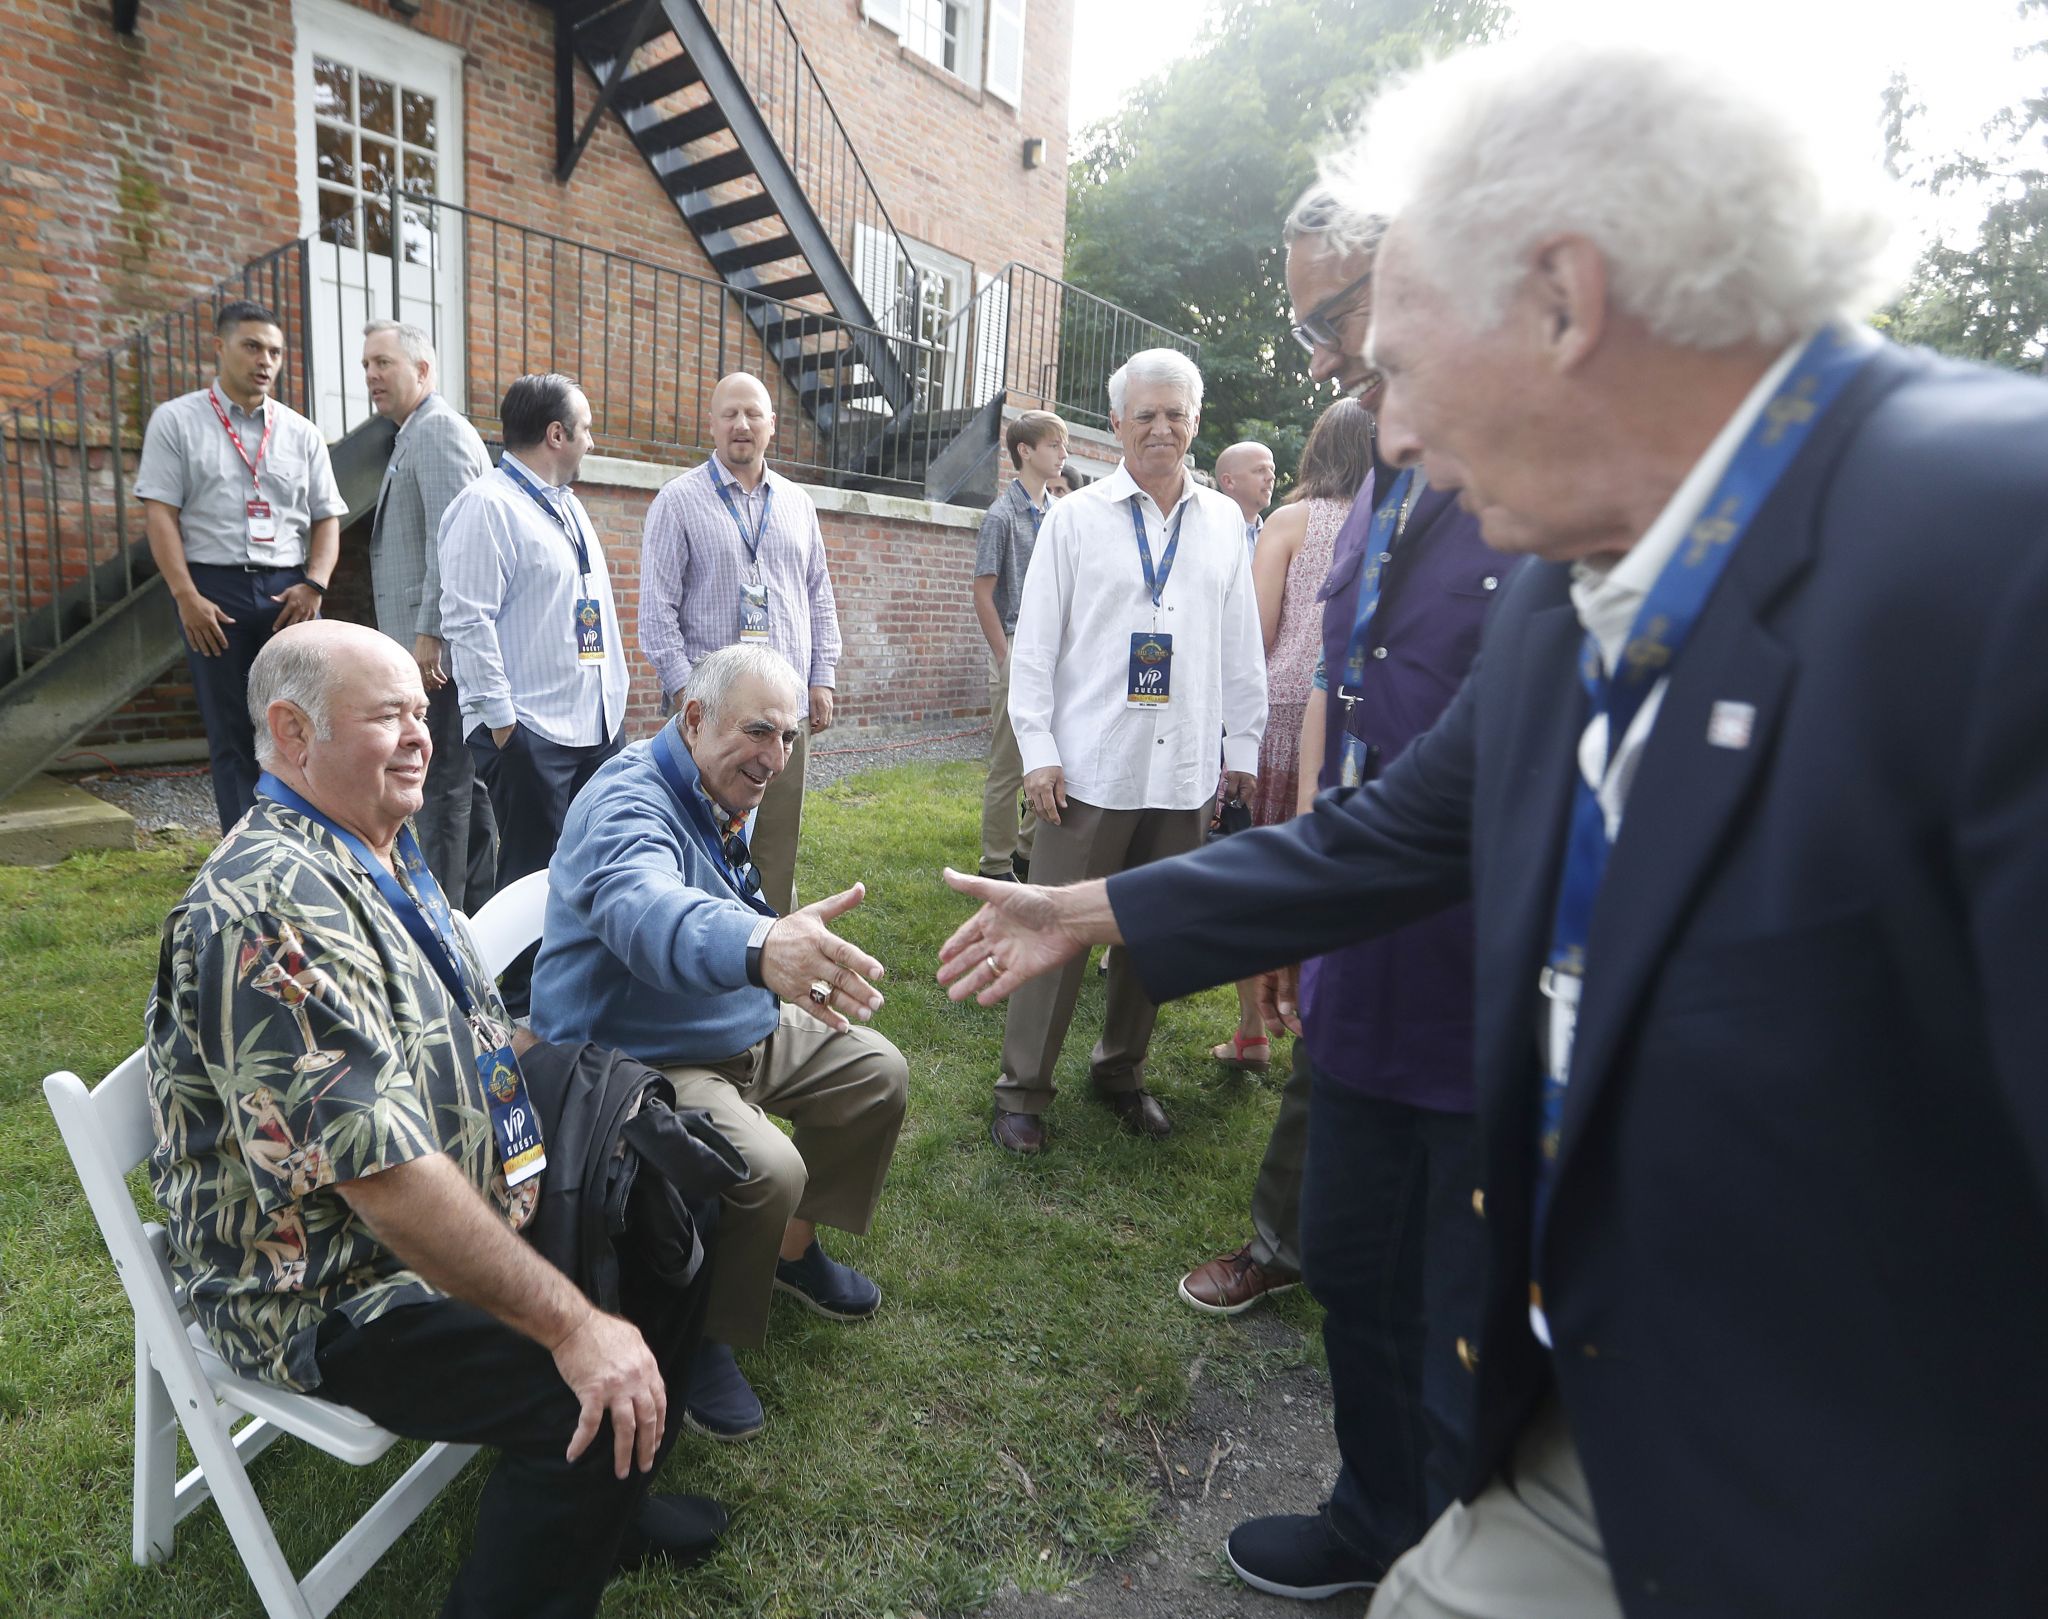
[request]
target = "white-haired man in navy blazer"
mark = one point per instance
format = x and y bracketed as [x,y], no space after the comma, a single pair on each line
[1750,791]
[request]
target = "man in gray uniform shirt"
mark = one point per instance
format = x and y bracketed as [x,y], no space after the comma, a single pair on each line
[437,456]
[244,523]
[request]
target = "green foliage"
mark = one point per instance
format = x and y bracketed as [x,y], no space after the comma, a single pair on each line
[1987,300]
[1174,204]
[1029,1326]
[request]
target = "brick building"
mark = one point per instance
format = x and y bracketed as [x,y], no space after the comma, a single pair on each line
[861,200]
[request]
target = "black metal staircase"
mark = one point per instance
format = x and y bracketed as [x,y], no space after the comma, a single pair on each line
[721,100]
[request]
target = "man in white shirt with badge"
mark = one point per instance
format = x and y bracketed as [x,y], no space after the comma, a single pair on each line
[244,523]
[1137,644]
[527,612]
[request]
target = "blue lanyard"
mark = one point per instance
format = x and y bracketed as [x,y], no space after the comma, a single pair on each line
[751,541]
[426,918]
[667,742]
[1156,586]
[1662,627]
[562,520]
[1380,541]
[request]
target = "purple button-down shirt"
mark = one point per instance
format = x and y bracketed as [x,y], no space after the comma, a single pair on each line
[693,562]
[1392,1017]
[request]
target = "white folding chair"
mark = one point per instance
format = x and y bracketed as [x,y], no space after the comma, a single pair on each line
[510,920]
[179,1379]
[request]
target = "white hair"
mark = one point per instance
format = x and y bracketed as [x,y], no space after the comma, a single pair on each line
[298,670]
[1718,217]
[1319,215]
[413,341]
[1167,366]
[715,675]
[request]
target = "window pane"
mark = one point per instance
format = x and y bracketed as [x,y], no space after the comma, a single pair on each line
[379,106]
[337,217]
[331,88]
[335,154]
[419,235]
[377,227]
[420,127]
[378,163]
[419,174]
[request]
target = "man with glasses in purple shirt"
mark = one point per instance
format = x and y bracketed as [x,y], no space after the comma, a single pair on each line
[732,555]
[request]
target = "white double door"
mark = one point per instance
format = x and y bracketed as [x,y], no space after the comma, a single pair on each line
[377,101]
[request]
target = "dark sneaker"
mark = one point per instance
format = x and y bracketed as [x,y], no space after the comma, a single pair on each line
[720,1403]
[678,1529]
[1021,865]
[1299,1555]
[830,1288]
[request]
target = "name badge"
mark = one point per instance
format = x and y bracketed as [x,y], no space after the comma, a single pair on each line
[754,612]
[1562,991]
[589,630]
[1151,684]
[262,522]
[514,1124]
[1358,759]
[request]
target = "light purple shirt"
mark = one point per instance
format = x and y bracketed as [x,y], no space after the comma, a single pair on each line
[693,562]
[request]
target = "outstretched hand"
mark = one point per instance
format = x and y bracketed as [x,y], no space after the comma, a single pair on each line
[1017,934]
[802,951]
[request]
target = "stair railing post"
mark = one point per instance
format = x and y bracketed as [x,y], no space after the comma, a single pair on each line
[397,239]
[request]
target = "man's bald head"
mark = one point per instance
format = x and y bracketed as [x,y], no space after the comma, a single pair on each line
[1245,473]
[305,663]
[742,425]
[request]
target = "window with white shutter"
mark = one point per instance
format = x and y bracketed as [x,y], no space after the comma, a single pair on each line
[991,336]
[1006,51]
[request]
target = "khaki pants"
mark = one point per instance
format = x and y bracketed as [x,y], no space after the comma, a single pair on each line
[1001,837]
[845,1095]
[778,824]
[1088,842]
[1527,1548]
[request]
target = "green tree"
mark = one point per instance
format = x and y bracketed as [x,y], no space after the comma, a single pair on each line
[1987,300]
[1174,203]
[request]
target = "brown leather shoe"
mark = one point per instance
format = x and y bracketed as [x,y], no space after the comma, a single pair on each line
[1017,1132]
[1140,1113]
[1232,1283]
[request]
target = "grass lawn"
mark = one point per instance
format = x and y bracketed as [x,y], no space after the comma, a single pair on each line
[1029,1326]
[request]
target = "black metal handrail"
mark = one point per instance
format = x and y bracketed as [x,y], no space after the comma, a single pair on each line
[799,112]
[646,341]
[1048,343]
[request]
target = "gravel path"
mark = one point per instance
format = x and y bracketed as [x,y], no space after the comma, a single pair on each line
[182,795]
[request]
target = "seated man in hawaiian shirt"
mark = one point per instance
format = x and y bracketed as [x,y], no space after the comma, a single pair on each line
[334,1156]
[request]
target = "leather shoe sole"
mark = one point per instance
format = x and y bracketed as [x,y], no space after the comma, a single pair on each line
[1017,1132]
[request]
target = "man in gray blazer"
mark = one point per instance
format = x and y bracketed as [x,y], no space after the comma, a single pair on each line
[437,455]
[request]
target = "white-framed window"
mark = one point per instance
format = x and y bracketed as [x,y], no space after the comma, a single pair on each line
[980,42]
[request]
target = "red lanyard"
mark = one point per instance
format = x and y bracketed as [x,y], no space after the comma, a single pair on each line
[236,439]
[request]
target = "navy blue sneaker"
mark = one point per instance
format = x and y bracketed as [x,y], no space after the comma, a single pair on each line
[678,1529]
[720,1403]
[1299,1555]
[830,1288]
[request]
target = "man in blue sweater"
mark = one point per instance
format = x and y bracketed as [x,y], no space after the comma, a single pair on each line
[657,942]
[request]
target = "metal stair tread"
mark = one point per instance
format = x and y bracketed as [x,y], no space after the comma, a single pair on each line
[732,164]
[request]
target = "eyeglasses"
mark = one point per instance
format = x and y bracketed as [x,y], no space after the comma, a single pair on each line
[1318,328]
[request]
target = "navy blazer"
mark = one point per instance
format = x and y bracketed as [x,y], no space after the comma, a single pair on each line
[1796,1270]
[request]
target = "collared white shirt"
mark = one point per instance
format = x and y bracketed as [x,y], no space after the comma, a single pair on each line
[509,587]
[1608,599]
[1085,596]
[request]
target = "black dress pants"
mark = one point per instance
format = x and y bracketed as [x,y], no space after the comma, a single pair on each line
[547,1530]
[457,832]
[220,682]
[531,782]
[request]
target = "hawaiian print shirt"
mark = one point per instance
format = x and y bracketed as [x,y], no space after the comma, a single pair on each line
[298,1038]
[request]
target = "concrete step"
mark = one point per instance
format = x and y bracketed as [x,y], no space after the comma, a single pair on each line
[46,819]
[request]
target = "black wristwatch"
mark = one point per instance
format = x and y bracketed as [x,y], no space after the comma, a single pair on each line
[755,941]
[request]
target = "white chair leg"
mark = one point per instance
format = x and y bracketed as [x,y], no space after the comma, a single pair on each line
[156,1462]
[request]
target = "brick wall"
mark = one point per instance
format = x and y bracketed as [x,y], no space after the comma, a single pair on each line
[913,657]
[138,171]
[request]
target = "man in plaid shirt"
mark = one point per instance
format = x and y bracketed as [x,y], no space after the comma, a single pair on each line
[732,554]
